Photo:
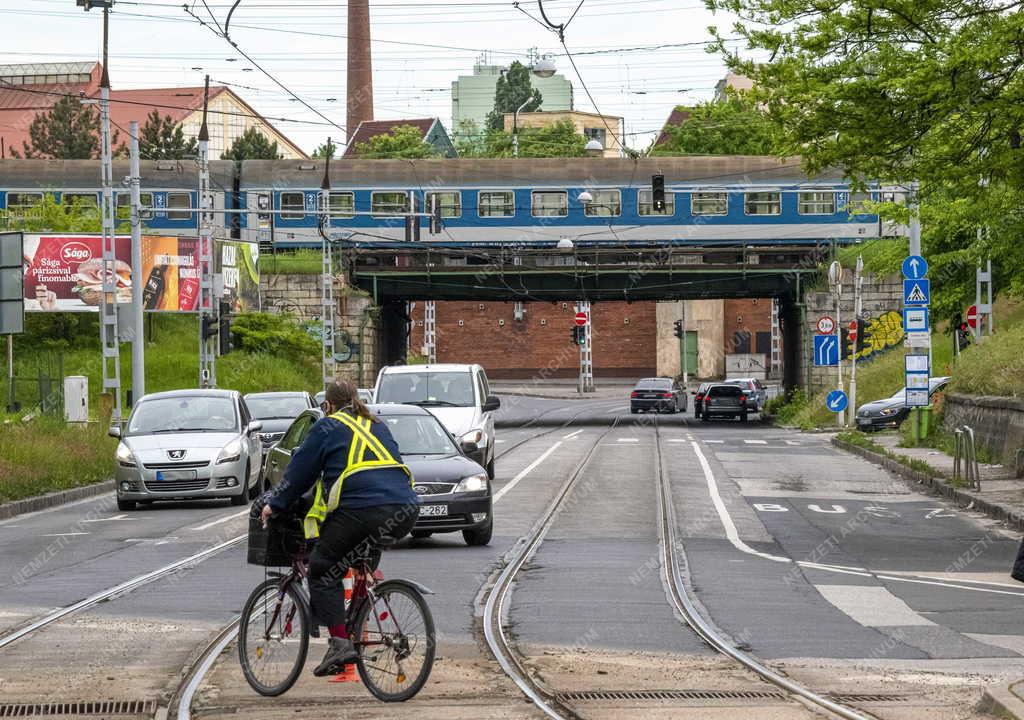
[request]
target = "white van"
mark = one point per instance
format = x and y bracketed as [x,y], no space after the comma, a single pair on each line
[457,395]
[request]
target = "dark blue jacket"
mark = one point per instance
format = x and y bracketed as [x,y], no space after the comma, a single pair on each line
[325,450]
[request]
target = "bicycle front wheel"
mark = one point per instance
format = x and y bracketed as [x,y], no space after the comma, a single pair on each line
[396,642]
[273,637]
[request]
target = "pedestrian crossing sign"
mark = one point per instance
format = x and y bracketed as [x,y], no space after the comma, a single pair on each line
[917,292]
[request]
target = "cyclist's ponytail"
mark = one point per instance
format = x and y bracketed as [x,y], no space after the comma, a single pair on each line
[344,394]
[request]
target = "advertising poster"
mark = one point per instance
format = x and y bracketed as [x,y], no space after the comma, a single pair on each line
[63,273]
[236,263]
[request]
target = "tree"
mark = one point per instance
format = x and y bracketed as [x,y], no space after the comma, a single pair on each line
[559,139]
[512,90]
[734,126]
[325,150]
[69,131]
[160,138]
[404,141]
[252,145]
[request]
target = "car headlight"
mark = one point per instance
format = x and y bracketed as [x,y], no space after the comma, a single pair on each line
[124,456]
[231,452]
[473,483]
[474,436]
[890,411]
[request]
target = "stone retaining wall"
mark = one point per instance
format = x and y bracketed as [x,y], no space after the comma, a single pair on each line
[998,422]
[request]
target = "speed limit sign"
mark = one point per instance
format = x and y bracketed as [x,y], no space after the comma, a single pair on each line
[826,325]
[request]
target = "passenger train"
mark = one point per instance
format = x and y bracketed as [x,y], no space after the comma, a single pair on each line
[529,202]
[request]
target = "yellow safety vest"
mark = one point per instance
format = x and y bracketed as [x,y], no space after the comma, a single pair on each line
[363,441]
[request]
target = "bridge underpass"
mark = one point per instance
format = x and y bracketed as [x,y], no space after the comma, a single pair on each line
[395,276]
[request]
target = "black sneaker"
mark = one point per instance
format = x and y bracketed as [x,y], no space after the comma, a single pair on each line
[340,652]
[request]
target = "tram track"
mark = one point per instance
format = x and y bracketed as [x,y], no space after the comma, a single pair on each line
[560,705]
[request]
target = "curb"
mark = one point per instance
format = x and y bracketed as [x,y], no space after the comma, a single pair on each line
[1002,702]
[61,497]
[937,485]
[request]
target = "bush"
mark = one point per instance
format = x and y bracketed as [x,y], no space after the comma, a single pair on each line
[274,335]
[787,408]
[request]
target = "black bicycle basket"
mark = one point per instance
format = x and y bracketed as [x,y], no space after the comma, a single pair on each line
[277,544]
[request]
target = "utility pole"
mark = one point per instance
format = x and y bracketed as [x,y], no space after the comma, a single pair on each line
[915,219]
[327,279]
[685,360]
[138,340]
[835,279]
[858,310]
[586,381]
[208,306]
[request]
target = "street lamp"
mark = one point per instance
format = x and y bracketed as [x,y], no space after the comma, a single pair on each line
[544,67]
[515,123]
[594,148]
[565,244]
[585,197]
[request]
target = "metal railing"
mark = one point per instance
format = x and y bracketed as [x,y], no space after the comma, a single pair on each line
[965,458]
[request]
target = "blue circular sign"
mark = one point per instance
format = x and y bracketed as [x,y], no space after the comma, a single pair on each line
[915,267]
[837,401]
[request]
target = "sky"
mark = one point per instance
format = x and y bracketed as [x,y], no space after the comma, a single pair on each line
[419,48]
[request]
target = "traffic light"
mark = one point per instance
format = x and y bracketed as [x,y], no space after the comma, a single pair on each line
[861,342]
[853,338]
[678,332]
[963,335]
[579,335]
[208,327]
[658,193]
[225,327]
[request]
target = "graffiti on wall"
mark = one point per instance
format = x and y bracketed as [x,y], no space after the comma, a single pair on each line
[880,334]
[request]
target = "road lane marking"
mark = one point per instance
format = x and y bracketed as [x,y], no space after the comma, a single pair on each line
[524,472]
[872,606]
[572,434]
[218,521]
[949,585]
[793,443]
[109,519]
[676,440]
[64,534]
[756,442]
[628,439]
[499,440]
[715,442]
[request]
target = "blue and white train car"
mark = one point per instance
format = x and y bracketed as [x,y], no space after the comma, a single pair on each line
[709,200]
[169,187]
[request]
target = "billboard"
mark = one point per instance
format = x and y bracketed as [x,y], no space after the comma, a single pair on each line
[63,273]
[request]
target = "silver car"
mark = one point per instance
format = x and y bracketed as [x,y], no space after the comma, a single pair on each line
[188,445]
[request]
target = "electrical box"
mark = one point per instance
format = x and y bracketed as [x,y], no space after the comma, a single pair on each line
[76,399]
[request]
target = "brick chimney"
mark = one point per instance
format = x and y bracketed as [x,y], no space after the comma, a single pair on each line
[360,68]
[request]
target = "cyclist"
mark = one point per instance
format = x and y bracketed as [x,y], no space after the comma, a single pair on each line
[365,493]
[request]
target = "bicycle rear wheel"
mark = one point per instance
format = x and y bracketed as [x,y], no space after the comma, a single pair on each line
[396,642]
[273,637]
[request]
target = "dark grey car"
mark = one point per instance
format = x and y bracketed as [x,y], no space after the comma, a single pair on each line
[892,411]
[660,394]
[277,411]
[725,400]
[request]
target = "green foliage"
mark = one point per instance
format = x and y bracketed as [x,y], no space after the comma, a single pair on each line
[252,145]
[326,150]
[735,126]
[559,139]
[160,138]
[995,366]
[68,131]
[511,91]
[786,408]
[404,142]
[51,216]
[299,262]
[274,334]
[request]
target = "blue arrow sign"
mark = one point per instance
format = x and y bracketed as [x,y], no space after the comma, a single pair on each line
[917,292]
[826,350]
[915,267]
[836,401]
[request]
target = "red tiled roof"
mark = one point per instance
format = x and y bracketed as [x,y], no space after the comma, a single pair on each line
[179,103]
[19,105]
[373,128]
[678,116]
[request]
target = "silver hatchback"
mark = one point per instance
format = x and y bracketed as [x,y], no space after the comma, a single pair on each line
[188,445]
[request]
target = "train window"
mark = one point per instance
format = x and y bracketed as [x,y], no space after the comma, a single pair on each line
[124,205]
[293,206]
[496,203]
[394,201]
[858,203]
[645,203]
[709,203]
[450,203]
[762,203]
[342,204]
[816,203]
[606,203]
[83,201]
[549,203]
[183,202]
[22,201]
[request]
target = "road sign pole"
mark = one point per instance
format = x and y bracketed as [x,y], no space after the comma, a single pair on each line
[138,340]
[858,293]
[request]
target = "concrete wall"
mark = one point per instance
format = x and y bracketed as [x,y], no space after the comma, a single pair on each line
[882,303]
[998,422]
[300,297]
[703,317]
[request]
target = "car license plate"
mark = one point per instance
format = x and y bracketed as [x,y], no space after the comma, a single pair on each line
[176,475]
[433,510]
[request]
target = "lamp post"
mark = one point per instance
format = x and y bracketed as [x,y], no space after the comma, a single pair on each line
[515,124]
[594,148]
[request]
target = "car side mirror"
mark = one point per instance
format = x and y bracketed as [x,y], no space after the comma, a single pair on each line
[254,426]
[469,447]
[491,403]
[114,431]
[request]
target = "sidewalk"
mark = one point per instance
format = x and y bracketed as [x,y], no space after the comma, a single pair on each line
[1001,497]
[604,389]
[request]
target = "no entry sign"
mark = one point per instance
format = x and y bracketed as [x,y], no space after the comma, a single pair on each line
[581,318]
[972,316]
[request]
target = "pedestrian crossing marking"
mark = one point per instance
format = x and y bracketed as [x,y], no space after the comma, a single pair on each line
[756,442]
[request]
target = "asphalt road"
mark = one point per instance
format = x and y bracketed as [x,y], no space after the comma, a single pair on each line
[813,559]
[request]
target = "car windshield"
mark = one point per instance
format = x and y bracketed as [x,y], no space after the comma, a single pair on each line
[185,413]
[654,384]
[419,435]
[725,391]
[427,388]
[267,407]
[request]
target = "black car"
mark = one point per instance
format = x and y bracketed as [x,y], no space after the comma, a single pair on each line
[277,411]
[725,400]
[698,398]
[892,411]
[660,394]
[454,491]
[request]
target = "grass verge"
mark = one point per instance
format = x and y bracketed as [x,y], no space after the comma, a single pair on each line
[300,262]
[863,441]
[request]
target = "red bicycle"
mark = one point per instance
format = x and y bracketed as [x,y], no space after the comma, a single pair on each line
[388,620]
